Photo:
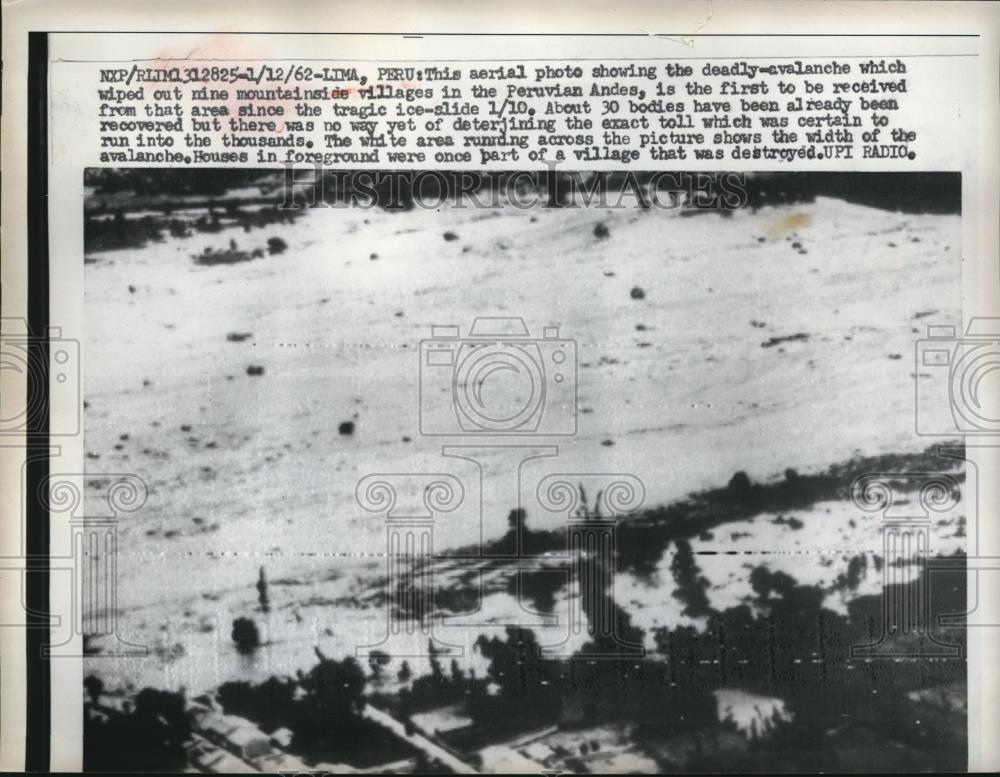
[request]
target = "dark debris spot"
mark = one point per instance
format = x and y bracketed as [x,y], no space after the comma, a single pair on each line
[786,339]
[791,522]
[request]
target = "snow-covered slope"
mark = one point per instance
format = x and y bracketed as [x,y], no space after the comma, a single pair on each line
[764,340]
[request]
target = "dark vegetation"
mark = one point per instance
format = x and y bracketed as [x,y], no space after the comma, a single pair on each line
[323,710]
[245,635]
[799,652]
[149,735]
[643,538]
[321,707]
[231,255]
[174,182]
[121,190]
[107,230]
[848,713]
[843,708]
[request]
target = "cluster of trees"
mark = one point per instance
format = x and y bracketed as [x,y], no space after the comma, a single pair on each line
[176,181]
[149,735]
[322,707]
[782,643]
[910,192]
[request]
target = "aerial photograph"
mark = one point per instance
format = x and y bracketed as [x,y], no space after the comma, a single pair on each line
[567,472]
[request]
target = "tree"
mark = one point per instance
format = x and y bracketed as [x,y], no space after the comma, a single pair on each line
[335,689]
[271,704]
[529,684]
[457,675]
[405,673]
[377,661]
[94,686]
[245,635]
[161,716]
[265,603]
[515,518]
[150,737]
[740,485]
[691,584]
